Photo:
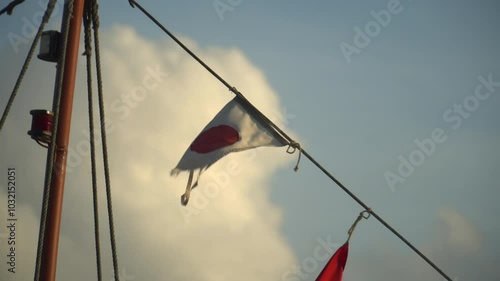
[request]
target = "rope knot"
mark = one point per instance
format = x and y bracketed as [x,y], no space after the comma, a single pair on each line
[292,147]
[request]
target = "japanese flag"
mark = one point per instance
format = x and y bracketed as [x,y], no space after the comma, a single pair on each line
[237,127]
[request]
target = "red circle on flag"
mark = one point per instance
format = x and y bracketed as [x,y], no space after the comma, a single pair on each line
[215,138]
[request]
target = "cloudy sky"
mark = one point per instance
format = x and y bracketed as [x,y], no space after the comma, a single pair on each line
[398,100]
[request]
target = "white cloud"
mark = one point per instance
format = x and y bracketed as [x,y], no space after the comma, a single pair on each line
[233,231]
[461,234]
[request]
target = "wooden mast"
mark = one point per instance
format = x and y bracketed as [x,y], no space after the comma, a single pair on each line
[51,240]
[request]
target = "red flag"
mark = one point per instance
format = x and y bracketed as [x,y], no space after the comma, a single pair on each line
[335,266]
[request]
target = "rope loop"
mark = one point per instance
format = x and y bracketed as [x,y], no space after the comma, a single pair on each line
[292,147]
[366,213]
[363,215]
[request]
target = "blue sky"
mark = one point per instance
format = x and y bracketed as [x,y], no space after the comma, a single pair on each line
[355,117]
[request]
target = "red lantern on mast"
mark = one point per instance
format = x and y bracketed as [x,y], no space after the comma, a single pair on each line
[42,123]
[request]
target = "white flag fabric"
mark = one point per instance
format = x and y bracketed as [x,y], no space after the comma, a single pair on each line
[235,128]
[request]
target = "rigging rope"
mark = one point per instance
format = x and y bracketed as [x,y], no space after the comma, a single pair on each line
[87,21]
[52,144]
[95,25]
[133,3]
[10,8]
[46,16]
